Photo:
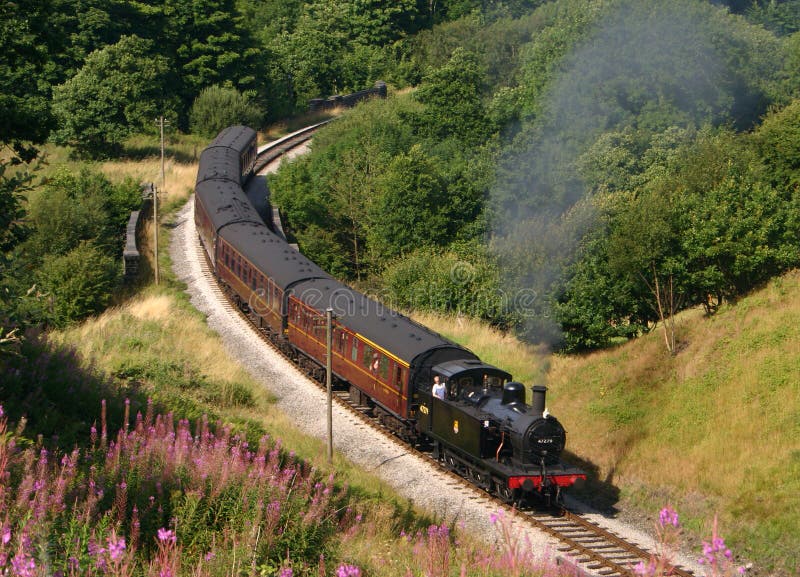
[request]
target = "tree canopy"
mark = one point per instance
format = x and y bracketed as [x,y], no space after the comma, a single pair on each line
[120,90]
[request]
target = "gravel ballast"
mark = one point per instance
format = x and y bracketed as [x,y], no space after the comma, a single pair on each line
[412,475]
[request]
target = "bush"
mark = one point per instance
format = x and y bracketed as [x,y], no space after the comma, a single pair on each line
[218,107]
[462,280]
[78,283]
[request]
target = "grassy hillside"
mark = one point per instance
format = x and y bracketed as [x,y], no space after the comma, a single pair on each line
[714,430]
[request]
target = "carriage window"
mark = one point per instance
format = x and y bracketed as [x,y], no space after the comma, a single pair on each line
[398,377]
[341,342]
[354,350]
[384,367]
[366,359]
[494,381]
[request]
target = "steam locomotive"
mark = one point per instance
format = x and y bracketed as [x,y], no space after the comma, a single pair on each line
[481,427]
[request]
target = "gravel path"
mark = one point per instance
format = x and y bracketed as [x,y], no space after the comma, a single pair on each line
[413,476]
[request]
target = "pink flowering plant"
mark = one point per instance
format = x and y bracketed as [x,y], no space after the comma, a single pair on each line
[717,558]
[159,499]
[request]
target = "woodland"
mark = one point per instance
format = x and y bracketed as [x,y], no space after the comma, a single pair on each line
[573,172]
[586,168]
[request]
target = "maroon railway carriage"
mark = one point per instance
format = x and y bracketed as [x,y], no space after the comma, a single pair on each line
[378,351]
[483,428]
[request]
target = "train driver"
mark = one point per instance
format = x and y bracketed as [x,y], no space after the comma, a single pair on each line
[439,389]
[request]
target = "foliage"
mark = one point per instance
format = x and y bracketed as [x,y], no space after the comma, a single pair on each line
[73,207]
[452,96]
[12,228]
[218,107]
[210,46]
[24,101]
[332,41]
[463,280]
[780,17]
[333,188]
[77,283]
[120,89]
[777,142]
[76,234]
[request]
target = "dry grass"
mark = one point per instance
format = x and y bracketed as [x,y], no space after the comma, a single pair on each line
[156,329]
[179,177]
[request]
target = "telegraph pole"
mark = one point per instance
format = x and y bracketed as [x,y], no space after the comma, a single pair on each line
[155,232]
[161,124]
[329,379]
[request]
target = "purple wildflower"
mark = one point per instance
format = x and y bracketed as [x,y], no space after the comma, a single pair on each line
[668,516]
[6,535]
[116,548]
[23,565]
[166,535]
[345,570]
[286,572]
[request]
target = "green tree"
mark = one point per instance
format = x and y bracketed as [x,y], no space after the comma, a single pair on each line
[737,230]
[643,247]
[24,88]
[334,187]
[120,89]
[408,212]
[218,107]
[453,99]
[73,207]
[210,45]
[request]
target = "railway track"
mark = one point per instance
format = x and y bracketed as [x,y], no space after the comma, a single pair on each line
[583,546]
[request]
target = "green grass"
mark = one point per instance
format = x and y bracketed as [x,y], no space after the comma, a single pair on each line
[715,430]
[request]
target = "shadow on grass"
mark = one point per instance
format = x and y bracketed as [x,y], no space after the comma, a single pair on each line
[59,397]
[599,493]
[183,155]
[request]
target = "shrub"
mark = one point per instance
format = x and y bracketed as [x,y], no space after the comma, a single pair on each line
[78,283]
[218,107]
[463,280]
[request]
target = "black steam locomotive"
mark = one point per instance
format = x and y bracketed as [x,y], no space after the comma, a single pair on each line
[479,425]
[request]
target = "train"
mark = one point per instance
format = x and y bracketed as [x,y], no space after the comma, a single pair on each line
[479,425]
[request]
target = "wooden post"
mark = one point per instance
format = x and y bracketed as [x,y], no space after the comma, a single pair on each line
[329,378]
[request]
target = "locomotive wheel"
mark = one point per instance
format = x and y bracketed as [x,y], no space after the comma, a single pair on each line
[478,477]
[504,492]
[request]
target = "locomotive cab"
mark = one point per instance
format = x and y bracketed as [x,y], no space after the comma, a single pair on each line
[459,419]
[470,380]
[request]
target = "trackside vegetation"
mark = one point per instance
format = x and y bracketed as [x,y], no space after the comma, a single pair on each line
[598,165]
[599,195]
[712,430]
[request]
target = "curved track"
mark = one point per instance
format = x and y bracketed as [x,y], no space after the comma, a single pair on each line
[584,546]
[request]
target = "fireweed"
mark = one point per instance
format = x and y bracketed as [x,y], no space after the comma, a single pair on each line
[160,501]
[716,556]
[156,494]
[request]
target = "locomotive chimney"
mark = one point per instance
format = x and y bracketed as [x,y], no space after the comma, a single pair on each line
[538,401]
